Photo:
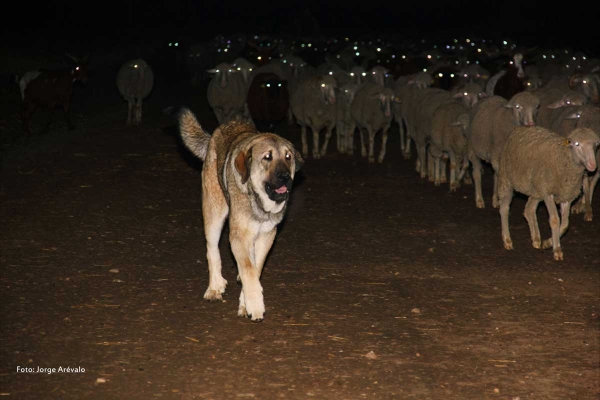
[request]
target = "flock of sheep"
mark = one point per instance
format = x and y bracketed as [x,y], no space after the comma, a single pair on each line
[537,124]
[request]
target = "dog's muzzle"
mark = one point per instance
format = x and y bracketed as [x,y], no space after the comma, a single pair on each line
[279,191]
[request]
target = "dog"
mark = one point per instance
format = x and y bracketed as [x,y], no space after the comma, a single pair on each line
[246,176]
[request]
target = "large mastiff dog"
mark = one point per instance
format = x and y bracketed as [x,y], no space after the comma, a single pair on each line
[247,175]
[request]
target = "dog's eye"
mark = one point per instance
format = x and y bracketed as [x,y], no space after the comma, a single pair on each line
[288,156]
[268,157]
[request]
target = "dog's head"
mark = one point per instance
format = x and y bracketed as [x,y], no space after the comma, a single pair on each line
[268,165]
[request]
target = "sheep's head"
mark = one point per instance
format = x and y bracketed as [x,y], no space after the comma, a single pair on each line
[357,74]
[587,84]
[524,106]
[378,74]
[572,98]
[348,91]
[583,143]
[470,94]
[222,73]
[386,98]
[327,86]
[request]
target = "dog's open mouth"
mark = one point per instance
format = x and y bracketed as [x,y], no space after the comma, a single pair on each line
[278,194]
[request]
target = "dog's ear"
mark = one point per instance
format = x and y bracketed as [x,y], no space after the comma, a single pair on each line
[298,161]
[242,164]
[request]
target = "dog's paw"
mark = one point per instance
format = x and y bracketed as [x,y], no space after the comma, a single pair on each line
[253,308]
[215,292]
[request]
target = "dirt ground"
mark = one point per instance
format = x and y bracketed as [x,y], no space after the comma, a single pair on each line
[379,285]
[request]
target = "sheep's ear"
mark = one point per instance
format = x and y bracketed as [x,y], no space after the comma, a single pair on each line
[458,95]
[397,99]
[242,164]
[572,116]
[212,71]
[556,104]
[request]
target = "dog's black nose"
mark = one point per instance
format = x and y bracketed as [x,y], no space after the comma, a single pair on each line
[283,176]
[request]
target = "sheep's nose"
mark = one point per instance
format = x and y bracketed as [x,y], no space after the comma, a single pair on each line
[284,177]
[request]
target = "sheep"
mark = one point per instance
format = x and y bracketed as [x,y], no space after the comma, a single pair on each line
[552,100]
[404,90]
[448,125]
[544,166]
[357,74]
[135,81]
[509,81]
[313,105]
[424,108]
[587,84]
[244,67]
[572,117]
[378,75]
[51,89]
[492,120]
[371,109]
[227,93]
[345,124]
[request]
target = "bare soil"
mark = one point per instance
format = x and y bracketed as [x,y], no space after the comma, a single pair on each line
[379,285]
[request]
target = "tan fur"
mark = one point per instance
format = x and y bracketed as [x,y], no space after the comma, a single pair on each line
[242,168]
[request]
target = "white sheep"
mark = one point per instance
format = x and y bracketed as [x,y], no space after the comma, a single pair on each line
[313,105]
[492,120]
[135,81]
[448,126]
[372,112]
[544,166]
[569,118]
[227,94]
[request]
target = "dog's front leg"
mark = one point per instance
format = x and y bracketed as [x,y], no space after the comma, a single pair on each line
[214,211]
[251,299]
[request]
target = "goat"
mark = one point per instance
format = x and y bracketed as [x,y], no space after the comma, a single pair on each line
[52,88]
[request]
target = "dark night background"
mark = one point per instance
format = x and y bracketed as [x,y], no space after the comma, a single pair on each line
[87,24]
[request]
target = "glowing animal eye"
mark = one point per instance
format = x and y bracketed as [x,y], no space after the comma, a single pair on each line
[364,74]
[268,157]
[288,156]
[576,143]
[322,85]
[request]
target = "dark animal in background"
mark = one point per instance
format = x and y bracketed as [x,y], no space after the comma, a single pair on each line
[135,81]
[268,100]
[509,81]
[51,89]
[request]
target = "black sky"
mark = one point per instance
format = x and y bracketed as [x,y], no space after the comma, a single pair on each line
[537,22]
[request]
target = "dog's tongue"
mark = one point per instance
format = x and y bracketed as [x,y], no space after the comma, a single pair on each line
[281,190]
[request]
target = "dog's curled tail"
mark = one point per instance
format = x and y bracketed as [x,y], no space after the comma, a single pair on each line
[194,137]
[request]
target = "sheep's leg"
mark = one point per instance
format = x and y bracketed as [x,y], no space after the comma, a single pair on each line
[430,166]
[129,111]
[565,209]
[371,133]
[422,160]
[463,171]
[477,168]
[454,183]
[363,149]
[402,131]
[443,166]
[406,153]
[531,217]
[555,226]
[350,139]
[138,111]
[495,203]
[505,201]
[579,207]
[339,142]
[304,141]
[384,137]
[590,194]
[315,149]
[328,133]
